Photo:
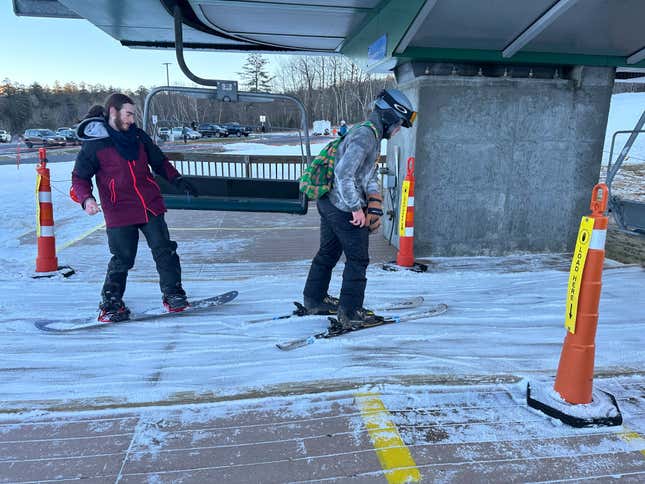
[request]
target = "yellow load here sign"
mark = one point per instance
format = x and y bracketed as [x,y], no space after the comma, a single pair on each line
[405,192]
[575,273]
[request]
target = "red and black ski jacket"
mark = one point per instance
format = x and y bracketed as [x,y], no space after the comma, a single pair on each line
[127,189]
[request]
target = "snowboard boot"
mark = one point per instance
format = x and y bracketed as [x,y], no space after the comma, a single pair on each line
[328,305]
[357,318]
[175,303]
[113,311]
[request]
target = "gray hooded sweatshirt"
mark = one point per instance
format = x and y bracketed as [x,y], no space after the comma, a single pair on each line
[355,171]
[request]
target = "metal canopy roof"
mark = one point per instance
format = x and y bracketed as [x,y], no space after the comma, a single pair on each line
[379,33]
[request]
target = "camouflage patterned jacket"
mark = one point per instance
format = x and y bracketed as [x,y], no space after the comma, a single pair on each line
[355,171]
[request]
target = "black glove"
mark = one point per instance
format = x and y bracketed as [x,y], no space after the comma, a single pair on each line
[374,212]
[185,186]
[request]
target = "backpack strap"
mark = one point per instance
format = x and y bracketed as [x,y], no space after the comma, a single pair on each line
[371,125]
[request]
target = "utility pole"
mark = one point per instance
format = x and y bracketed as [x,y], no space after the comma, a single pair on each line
[167,76]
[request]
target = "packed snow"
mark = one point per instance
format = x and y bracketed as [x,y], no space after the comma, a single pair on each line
[505,315]
[624,112]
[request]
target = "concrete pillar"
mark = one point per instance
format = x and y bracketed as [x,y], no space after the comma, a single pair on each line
[503,164]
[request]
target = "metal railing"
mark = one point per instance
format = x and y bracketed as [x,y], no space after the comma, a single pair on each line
[261,167]
[238,166]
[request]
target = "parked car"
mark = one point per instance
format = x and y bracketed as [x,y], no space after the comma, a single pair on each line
[69,134]
[192,134]
[164,133]
[208,130]
[178,133]
[45,137]
[5,137]
[236,129]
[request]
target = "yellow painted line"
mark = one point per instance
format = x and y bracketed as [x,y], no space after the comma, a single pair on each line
[80,237]
[239,229]
[395,458]
[630,437]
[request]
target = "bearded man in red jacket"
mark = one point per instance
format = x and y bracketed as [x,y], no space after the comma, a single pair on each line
[119,155]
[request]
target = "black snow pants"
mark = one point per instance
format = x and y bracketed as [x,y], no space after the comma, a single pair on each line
[337,235]
[123,242]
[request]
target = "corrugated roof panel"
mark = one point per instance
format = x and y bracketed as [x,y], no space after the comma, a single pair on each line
[490,24]
[326,3]
[241,18]
[598,32]
[596,27]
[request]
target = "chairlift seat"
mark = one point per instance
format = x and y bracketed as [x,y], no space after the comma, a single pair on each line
[629,214]
[236,194]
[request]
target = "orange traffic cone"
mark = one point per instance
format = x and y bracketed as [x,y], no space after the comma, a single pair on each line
[574,380]
[46,261]
[405,256]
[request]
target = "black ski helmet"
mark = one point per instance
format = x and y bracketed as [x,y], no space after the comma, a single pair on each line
[394,108]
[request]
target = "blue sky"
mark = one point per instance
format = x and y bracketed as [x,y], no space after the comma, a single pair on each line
[46,50]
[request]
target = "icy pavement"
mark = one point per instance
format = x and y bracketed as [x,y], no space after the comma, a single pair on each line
[209,398]
[458,432]
[499,322]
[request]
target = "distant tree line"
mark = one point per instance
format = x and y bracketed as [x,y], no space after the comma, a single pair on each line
[626,86]
[331,88]
[40,106]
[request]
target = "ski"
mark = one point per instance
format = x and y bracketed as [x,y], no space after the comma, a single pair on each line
[300,310]
[67,325]
[329,333]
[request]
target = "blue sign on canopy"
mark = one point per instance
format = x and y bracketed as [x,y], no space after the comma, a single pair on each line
[377,50]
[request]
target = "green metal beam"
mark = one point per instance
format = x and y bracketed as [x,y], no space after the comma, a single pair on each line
[473,55]
[391,18]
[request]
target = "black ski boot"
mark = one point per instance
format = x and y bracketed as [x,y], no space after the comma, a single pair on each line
[113,311]
[175,303]
[328,305]
[358,318]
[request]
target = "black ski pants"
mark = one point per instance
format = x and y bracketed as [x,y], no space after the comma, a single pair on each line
[123,242]
[338,235]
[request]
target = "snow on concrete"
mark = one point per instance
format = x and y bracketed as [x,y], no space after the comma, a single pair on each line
[505,317]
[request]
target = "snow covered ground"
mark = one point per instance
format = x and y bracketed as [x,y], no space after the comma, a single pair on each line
[624,112]
[504,326]
[500,322]
[505,316]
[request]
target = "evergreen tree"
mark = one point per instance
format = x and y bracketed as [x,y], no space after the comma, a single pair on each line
[254,74]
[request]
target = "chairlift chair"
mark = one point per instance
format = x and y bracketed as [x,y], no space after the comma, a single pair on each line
[628,214]
[225,192]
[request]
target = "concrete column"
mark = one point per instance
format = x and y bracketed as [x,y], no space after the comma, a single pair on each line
[503,165]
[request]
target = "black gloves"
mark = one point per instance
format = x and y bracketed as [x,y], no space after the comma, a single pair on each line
[185,186]
[374,212]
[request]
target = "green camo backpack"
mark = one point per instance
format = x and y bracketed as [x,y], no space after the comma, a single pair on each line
[318,176]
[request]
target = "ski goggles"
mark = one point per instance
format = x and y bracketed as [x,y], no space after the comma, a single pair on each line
[407,115]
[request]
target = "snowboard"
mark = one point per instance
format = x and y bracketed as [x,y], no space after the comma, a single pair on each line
[69,325]
[300,310]
[331,332]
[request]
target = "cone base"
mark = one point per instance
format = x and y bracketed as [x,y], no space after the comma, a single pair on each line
[393,267]
[603,410]
[64,271]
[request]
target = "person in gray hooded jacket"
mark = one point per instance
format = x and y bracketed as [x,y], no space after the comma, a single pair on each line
[351,210]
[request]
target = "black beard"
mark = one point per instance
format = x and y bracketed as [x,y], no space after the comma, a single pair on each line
[119,124]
